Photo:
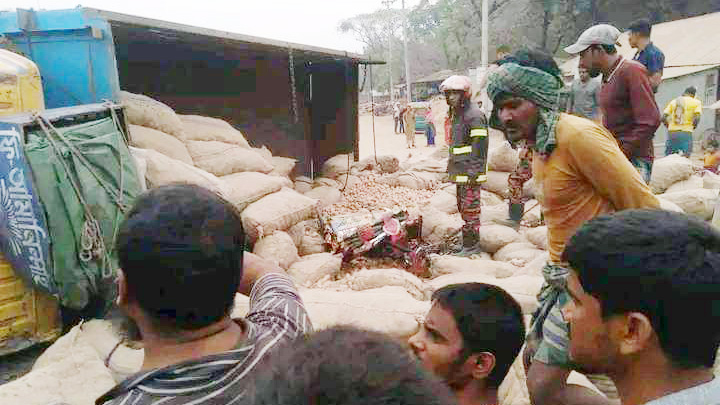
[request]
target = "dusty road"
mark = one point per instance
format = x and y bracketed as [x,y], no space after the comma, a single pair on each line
[386,142]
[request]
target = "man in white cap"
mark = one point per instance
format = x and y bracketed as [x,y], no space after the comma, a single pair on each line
[467,164]
[626,99]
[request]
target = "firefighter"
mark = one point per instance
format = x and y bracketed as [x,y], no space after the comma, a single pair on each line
[467,165]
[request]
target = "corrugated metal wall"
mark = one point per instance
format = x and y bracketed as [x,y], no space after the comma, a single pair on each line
[249,87]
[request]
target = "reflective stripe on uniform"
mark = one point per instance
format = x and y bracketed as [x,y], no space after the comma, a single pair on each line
[461,150]
[461,179]
[481,178]
[481,132]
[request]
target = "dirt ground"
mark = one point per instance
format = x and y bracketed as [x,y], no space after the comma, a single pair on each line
[386,142]
[17,364]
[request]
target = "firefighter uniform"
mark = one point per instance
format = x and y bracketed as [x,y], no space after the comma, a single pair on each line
[467,165]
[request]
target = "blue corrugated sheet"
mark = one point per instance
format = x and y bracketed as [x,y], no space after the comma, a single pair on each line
[73,49]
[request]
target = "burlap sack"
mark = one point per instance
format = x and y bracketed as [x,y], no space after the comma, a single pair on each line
[508,252]
[494,237]
[449,264]
[264,152]
[417,180]
[277,212]
[307,237]
[162,170]
[148,138]
[692,183]
[141,168]
[497,182]
[122,361]
[326,182]
[144,111]
[303,184]
[668,205]
[277,247]
[699,202]
[503,158]
[444,202]
[438,227]
[523,288]
[711,180]
[282,166]
[388,310]
[348,180]
[311,268]
[199,128]
[73,374]
[325,195]
[669,170]
[534,267]
[368,279]
[248,187]
[538,237]
[337,165]
[220,158]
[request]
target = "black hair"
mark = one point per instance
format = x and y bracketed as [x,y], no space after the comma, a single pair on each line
[489,320]
[609,49]
[181,250]
[691,90]
[534,57]
[642,27]
[344,365]
[663,264]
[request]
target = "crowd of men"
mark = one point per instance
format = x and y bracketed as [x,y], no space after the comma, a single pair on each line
[633,278]
[630,290]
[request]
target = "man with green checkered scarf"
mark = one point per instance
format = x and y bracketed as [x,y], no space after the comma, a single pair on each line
[580,173]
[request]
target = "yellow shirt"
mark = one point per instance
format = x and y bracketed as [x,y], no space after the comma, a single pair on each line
[692,109]
[585,176]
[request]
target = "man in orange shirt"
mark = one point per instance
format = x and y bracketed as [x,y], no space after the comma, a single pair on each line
[580,172]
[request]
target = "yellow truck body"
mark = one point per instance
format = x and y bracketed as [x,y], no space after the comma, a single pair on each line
[27,316]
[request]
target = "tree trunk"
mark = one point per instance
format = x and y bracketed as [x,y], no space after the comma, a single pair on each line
[545,26]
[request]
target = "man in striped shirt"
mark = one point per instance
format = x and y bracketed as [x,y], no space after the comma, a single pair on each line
[181,254]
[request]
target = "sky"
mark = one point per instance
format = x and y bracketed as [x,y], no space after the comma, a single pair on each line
[308,22]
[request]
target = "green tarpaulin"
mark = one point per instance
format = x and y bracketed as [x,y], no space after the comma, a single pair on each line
[84,175]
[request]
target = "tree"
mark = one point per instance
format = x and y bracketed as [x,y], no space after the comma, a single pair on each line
[446,34]
[376,30]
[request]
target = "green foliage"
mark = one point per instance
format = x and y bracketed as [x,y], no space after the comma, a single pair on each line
[446,34]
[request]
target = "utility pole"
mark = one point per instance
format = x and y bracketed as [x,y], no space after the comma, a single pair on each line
[407,62]
[387,4]
[485,41]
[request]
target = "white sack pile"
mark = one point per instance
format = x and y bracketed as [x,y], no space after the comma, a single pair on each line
[220,158]
[278,248]
[144,111]
[277,212]
[72,370]
[148,138]
[198,128]
[669,170]
[503,158]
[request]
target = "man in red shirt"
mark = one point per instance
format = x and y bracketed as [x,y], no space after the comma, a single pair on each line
[626,99]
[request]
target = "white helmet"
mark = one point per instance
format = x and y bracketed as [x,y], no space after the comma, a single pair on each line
[456,82]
